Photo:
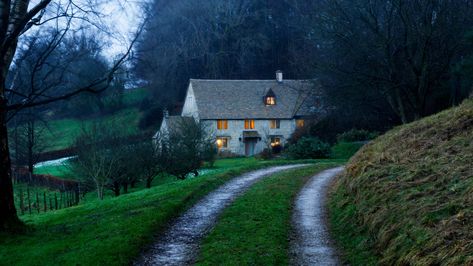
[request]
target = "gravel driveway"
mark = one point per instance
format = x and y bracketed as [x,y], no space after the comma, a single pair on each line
[311,244]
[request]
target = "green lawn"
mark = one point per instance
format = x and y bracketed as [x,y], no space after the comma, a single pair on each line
[114,230]
[62,133]
[345,150]
[61,171]
[255,229]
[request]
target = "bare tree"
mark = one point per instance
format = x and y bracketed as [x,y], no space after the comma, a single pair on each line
[99,157]
[185,148]
[16,18]
[400,50]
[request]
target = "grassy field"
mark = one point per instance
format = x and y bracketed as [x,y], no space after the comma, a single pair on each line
[61,133]
[407,196]
[254,230]
[345,150]
[61,171]
[114,230]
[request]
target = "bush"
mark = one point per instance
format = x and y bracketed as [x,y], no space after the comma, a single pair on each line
[152,117]
[356,135]
[309,148]
[266,154]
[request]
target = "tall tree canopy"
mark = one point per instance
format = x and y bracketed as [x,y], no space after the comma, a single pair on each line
[236,39]
[381,62]
[396,56]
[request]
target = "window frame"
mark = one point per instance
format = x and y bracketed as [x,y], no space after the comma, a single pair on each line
[222,124]
[249,124]
[270,100]
[275,124]
[300,123]
[224,144]
[275,141]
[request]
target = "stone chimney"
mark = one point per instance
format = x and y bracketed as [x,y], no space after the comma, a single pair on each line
[279,76]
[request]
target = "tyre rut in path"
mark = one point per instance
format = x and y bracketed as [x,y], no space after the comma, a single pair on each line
[180,243]
[311,244]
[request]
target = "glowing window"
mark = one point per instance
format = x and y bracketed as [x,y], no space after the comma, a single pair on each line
[300,122]
[222,143]
[222,124]
[249,124]
[270,100]
[275,141]
[274,124]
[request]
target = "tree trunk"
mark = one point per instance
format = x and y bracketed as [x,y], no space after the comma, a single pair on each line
[116,189]
[125,188]
[148,182]
[8,216]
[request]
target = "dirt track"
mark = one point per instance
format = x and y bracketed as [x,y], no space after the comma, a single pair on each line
[311,244]
[180,243]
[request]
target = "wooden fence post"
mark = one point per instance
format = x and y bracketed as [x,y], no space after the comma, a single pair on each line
[37,201]
[60,201]
[22,204]
[45,205]
[29,199]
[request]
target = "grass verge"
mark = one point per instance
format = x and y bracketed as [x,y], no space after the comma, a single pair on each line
[255,229]
[407,197]
[112,231]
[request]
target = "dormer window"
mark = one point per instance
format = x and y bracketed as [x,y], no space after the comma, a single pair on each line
[270,98]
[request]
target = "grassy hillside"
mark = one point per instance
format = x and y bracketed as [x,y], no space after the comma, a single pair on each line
[61,133]
[407,197]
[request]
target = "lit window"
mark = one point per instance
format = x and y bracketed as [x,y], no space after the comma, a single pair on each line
[275,141]
[300,122]
[222,124]
[222,143]
[249,124]
[274,123]
[270,100]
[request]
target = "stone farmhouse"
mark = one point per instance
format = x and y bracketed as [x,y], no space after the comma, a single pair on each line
[247,116]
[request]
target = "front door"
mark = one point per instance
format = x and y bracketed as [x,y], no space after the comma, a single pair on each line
[250,147]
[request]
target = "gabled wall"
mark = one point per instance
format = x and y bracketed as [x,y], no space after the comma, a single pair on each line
[190,104]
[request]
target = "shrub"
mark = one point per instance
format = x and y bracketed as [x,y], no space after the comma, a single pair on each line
[266,154]
[356,135]
[309,148]
[152,117]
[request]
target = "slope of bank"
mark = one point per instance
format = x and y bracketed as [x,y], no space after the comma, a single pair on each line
[407,197]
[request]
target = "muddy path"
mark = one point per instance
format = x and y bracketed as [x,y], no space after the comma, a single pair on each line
[180,243]
[311,243]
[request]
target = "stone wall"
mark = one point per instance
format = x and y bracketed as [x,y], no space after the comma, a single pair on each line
[236,128]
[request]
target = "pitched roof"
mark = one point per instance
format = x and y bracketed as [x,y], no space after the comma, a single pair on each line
[243,99]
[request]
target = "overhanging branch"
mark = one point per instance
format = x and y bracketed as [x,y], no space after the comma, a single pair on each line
[96,86]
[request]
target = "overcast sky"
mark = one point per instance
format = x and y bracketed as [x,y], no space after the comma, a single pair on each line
[121,17]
